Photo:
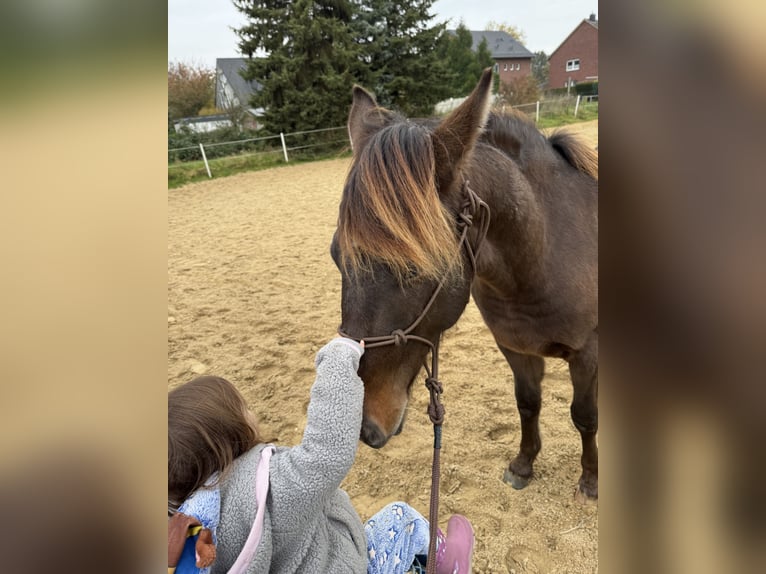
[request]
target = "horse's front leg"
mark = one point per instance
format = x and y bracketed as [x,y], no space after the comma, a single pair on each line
[528,373]
[583,368]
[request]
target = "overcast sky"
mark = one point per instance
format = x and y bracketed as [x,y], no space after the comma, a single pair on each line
[199,31]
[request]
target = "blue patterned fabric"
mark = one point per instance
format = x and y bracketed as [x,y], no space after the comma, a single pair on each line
[204,505]
[395,535]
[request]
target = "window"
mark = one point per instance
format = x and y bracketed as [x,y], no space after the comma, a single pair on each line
[573,65]
[496,67]
[505,67]
[518,67]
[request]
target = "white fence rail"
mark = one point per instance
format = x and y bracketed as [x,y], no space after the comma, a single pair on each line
[564,105]
[283,147]
[283,138]
[447,106]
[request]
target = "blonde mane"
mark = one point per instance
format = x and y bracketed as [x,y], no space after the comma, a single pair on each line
[390,212]
[576,152]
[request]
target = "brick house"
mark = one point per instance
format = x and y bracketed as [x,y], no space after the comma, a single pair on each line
[576,59]
[512,59]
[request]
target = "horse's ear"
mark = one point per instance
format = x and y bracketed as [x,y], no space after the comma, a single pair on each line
[362,104]
[455,137]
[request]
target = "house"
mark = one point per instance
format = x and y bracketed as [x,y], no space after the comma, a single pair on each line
[512,59]
[576,59]
[232,91]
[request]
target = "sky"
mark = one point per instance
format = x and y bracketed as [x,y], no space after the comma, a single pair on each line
[199,31]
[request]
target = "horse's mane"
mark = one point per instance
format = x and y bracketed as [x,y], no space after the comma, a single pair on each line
[572,149]
[518,136]
[390,211]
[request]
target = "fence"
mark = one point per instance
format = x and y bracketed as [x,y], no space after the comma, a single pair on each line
[276,145]
[178,157]
[559,105]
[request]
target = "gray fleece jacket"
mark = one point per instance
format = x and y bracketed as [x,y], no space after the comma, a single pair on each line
[310,525]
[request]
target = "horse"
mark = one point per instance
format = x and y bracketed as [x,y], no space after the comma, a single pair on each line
[479,204]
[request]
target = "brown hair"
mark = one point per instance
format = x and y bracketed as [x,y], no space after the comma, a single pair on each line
[390,210]
[208,428]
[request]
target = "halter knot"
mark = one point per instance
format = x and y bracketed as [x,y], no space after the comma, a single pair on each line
[435,407]
[400,337]
[465,219]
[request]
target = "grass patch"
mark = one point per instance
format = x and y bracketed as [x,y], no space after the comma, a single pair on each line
[557,113]
[564,116]
[181,173]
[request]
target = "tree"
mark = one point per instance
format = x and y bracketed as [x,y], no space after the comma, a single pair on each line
[464,63]
[190,89]
[485,60]
[310,65]
[522,90]
[316,50]
[514,31]
[401,50]
[540,68]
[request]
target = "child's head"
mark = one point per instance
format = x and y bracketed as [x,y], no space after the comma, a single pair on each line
[209,425]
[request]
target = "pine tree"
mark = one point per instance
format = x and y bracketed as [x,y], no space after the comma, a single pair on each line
[402,50]
[456,52]
[466,65]
[485,60]
[540,68]
[311,61]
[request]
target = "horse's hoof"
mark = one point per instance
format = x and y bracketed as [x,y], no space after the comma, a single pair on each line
[586,498]
[516,481]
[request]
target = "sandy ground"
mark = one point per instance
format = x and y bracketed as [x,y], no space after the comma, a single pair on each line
[253,294]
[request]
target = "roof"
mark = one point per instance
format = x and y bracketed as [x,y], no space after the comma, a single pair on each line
[500,44]
[592,21]
[231,67]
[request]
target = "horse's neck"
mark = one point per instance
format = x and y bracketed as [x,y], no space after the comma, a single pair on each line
[512,257]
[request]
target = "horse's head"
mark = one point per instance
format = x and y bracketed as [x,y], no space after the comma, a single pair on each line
[397,240]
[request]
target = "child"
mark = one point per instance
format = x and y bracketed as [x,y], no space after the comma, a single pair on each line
[306,523]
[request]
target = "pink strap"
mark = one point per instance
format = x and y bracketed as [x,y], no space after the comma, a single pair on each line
[254,538]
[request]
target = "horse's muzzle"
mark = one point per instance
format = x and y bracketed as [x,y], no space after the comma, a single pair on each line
[372,436]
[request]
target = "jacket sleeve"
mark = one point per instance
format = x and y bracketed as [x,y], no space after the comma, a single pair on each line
[304,476]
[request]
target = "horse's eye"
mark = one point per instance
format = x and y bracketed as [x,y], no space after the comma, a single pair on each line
[411,274]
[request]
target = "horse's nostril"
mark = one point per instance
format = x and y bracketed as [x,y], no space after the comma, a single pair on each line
[372,436]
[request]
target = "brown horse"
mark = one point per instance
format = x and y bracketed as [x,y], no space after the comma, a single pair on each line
[412,188]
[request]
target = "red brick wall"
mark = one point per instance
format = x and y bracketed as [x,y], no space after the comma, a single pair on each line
[525,65]
[582,44]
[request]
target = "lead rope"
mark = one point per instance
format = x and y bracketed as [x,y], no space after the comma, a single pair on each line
[471,205]
[436,414]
